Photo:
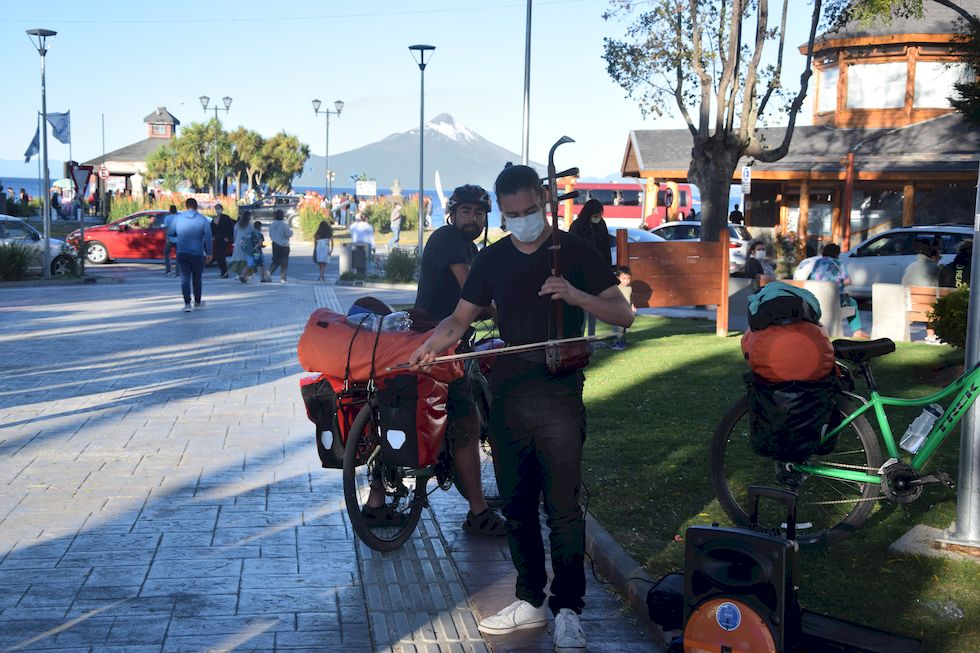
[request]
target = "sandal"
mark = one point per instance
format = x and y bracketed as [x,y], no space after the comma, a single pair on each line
[487,522]
[385,516]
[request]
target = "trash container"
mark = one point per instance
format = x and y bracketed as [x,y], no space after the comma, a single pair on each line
[353,258]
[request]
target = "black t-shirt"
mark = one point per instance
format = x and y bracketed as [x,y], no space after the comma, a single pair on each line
[438,288]
[512,279]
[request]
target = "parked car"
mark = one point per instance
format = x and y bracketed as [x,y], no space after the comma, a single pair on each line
[738,238]
[264,209]
[140,235]
[883,258]
[14,230]
[633,236]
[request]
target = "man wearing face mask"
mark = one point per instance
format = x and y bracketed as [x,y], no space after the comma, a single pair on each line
[537,419]
[445,266]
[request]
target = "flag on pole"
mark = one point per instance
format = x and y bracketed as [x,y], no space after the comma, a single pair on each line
[34,147]
[61,126]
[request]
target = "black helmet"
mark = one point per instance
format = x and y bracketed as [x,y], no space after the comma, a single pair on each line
[468,194]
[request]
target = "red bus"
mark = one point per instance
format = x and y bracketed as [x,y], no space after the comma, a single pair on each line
[622,204]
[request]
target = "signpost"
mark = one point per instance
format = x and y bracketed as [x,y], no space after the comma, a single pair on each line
[80,175]
[103,172]
[366,188]
[746,191]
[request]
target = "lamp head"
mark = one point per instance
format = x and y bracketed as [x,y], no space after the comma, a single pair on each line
[420,53]
[227,102]
[42,37]
[204,101]
[316,106]
[339,105]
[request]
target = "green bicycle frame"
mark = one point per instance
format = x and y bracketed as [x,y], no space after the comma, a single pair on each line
[965,389]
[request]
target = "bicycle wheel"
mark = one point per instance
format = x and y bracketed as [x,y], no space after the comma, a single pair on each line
[363,469]
[828,510]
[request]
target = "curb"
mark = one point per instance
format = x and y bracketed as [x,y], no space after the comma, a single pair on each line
[614,563]
[376,284]
[60,282]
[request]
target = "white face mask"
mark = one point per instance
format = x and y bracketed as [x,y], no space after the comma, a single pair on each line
[526,228]
[759,254]
[596,219]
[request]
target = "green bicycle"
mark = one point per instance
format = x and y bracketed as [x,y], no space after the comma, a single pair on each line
[838,490]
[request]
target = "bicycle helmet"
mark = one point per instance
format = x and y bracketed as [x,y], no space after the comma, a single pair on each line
[468,194]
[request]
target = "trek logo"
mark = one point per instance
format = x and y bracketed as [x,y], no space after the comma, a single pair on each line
[953,415]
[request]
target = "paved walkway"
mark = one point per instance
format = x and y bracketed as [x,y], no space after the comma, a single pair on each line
[161,490]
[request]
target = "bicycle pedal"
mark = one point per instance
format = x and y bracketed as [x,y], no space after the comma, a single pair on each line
[945,479]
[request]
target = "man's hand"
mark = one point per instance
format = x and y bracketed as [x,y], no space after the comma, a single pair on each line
[424,354]
[559,288]
[207,259]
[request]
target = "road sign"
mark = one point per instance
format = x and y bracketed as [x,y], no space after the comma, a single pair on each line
[366,188]
[746,180]
[103,172]
[80,175]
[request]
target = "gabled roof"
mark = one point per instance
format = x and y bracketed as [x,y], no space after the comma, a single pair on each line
[944,144]
[161,117]
[138,151]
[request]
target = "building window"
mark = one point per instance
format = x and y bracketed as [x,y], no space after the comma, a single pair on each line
[160,130]
[876,86]
[827,89]
[934,82]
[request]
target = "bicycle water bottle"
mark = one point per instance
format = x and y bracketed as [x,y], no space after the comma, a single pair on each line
[398,321]
[917,431]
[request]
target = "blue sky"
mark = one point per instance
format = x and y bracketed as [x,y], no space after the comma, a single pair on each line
[123,59]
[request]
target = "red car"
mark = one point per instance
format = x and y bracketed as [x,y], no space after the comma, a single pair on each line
[140,235]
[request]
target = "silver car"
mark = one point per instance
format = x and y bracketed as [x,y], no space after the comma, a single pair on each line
[738,238]
[632,236]
[15,230]
[883,258]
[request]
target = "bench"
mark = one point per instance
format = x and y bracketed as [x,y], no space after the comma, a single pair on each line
[895,307]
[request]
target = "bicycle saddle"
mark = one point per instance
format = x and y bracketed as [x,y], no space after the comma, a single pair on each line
[861,351]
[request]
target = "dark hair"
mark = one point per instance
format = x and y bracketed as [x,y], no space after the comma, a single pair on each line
[278,215]
[755,243]
[589,209]
[244,217]
[323,230]
[623,270]
[831,249]
[191,203]
[257,225]
[173,208]
[515,178]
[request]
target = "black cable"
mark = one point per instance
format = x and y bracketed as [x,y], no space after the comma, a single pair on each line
[585,511]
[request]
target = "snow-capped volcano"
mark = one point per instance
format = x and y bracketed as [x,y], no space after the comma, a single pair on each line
[445,124]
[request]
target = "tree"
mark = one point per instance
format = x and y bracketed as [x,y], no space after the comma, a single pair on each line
[162,165]
[247,147]
[705,57]
[285,157]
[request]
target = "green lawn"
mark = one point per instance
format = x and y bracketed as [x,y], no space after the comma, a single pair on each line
[652,410]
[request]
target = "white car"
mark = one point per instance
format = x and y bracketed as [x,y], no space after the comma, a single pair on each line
[632,236]
[15,230]
[738,238]
[883,258]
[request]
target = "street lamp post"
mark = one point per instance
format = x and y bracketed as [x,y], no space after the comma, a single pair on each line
[419,53]
[204,105]
[42,49]
[339,105]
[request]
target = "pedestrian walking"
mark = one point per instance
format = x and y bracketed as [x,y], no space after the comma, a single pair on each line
[255,259]
[169,239]
[395,223]
[537,419]
[323,247]
[590,226]
[279,234]
[736,216]
[193,251]
[243,243]
[223,228]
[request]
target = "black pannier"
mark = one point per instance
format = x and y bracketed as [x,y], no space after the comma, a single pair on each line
[790,418]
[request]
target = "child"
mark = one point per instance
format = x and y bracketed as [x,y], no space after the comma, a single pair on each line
[258,259]
[625,283]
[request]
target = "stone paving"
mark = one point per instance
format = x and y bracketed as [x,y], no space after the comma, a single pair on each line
[161,490]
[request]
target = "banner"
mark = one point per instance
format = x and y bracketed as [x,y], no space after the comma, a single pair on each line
[34,147]
[61,126]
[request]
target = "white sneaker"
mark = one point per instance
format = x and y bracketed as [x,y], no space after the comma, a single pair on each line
[199,306]
[187,308]
[569,637]
[516,616]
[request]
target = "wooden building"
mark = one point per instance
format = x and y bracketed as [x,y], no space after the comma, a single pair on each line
[880,102]
[127,165]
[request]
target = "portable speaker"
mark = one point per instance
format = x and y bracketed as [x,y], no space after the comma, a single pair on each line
[740,583]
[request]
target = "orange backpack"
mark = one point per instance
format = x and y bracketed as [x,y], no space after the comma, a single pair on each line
[793,352]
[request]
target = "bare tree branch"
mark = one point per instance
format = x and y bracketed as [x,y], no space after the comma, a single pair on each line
[704,109]
[775,83]
[756,148]
[728,72]
[966,15]
[749,96]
